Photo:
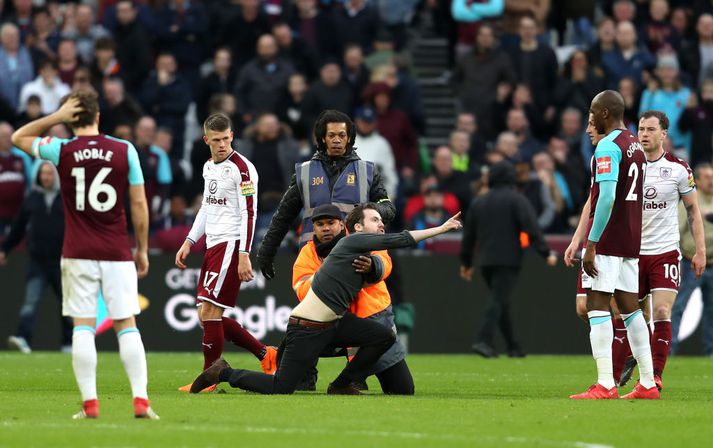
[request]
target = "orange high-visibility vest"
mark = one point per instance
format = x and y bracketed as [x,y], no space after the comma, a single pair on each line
[370,300]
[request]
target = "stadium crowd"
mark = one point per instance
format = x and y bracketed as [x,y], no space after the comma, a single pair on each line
[523,72]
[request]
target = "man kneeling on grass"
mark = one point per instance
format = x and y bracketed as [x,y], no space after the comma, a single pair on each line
[321,320]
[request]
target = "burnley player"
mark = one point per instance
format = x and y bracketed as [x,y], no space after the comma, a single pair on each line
[668,180]
[95,173]
[613,243]
[227,219]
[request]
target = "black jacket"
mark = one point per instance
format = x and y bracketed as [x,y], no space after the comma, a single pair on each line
[291,204]
[495,220]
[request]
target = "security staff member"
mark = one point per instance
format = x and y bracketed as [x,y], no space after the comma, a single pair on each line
[335,175]
[495,222]
[372,302]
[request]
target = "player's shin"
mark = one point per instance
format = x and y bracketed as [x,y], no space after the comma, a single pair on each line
[620,348]
[213,341]
[660,345]
[601,336]
[84,361]
[640,346]
[133,356]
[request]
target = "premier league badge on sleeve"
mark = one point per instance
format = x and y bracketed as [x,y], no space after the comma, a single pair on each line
[665,173]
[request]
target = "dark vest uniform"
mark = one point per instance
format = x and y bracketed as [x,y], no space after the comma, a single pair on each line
[350,189]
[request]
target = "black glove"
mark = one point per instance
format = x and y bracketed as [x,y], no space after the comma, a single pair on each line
[267,267]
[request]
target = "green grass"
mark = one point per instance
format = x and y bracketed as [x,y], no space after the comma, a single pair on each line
[461,401]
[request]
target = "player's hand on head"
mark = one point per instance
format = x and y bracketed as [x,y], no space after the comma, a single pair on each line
[69,110]
[141,259]
[245,268]
[362,264]
[466,273]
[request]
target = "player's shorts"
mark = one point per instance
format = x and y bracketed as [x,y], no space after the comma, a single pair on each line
[82,280]
[661,272]
[219,283]
[615,273]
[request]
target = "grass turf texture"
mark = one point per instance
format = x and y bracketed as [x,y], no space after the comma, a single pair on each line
[460,401]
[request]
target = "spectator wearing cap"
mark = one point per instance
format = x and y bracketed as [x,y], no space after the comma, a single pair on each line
[132,49]
[394,125]
[16,67]
[291,48]
[697,57]
[357,22]
[47,86]
[627,59]
[670,96]
[373,147]
[330,91]
[85,32]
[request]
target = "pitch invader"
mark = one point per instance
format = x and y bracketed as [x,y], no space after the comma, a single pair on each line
[613,243]
[227,218]
[668,180]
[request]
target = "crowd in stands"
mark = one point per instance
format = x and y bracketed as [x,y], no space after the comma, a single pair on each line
[523,73]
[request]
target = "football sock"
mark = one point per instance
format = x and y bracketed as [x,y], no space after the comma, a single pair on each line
[213,340]
[131,351]
[660,345]
[640,343]
[601,334]
[235,333]
[620,348]
[84,361]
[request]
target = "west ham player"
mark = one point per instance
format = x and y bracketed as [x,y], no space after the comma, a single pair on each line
[227,218]
[668,179]
[613,242]
[95,171]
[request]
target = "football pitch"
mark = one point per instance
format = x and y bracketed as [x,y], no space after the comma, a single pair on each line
[461,401]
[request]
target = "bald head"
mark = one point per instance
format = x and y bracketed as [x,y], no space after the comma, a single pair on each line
[607,111]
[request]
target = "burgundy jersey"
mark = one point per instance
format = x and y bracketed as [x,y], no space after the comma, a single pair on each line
[12,184]
[94,172]
[619,156]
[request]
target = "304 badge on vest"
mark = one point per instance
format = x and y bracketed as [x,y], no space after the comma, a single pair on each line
[247,188]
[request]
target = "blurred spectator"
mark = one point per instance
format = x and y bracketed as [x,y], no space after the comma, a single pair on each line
[469,16]
[291,110]
[405,92]
[657,31]
[105,64]
[537,193]
[520,99]
[630,92]
[47,86]
[681,21]
[624,11]
[570,133]
[242,32]
[16,68]
[568,174]
[448,179]
[573,21]
[459,142]
[515,11]
[507,145]
[382,50]
[415,203]
[13,179]
[667,94]
[478,74]
[354,71]
[85,32]
[374,148]
[544,167]
[357,22]
[518,124]
[395,127]
[156,167]
[627,59]
[33,111]
[329,92]
[274,154]
[227,104]
[697,119]
[316,28]
[262,80]
[606,41]
[396,15]
[697,57]
[179,177]
[220,80]
[468,123]
[165,95]
[44,38]
[67,61]
[433,214]
[177,223]
[22,17]
[294,50]
[579,83]
[119,108]
[535,66]
[133,45]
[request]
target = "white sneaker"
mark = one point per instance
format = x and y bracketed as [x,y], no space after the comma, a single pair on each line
[18,343]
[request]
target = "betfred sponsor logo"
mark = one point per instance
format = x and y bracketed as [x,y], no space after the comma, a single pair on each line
[603,165]
[651,205]
[212,200]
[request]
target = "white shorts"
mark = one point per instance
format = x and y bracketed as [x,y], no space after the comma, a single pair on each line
[82,280]
[615,273]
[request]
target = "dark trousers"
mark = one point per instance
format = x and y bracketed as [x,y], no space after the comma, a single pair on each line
[303,345]
[397,379]
[501,281]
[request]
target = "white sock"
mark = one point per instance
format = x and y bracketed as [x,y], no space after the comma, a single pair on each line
[84,361]
[131,350]
[601,335]
[640,346]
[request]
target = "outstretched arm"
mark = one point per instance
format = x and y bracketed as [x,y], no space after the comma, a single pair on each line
[452,224]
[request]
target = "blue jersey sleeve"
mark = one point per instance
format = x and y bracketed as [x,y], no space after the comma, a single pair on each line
[163,170]
[608,157]
[48,148]
[136,176]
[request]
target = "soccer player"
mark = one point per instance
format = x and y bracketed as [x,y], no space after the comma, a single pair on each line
[321,320]
[613,242]
[95,171]
[227,218]
[668,180]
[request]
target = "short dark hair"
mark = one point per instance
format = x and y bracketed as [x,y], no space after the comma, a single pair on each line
[332,116]
[89,102]
[357,215]
[104,43]
[218,122]
[661,116]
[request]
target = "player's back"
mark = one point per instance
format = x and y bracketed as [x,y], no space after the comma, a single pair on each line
[94,177]
[622,235]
